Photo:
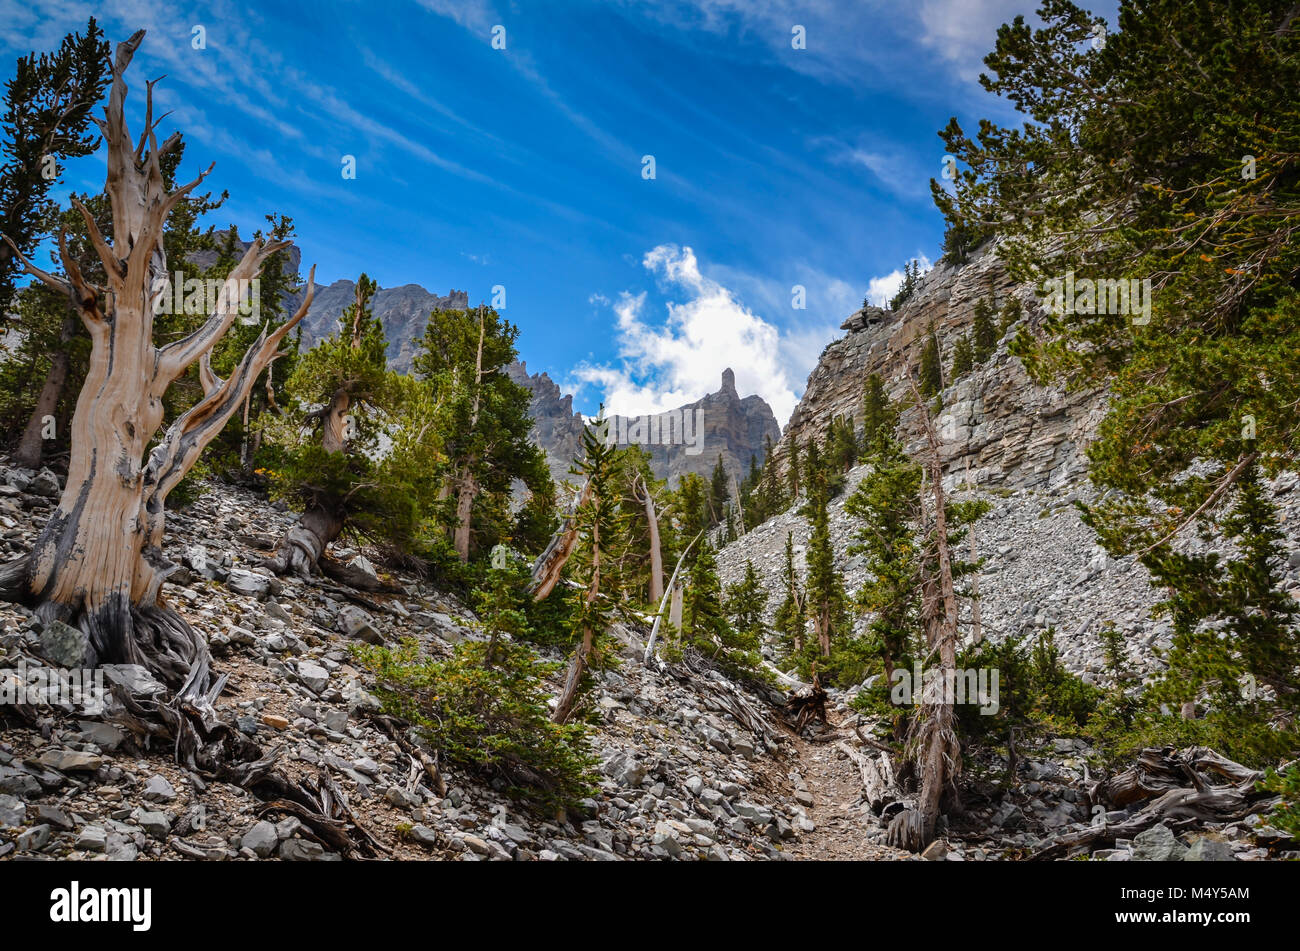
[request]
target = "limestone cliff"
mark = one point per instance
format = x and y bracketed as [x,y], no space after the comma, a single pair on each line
[995,420]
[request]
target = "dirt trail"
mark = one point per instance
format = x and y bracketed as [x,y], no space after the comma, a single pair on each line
[833,783]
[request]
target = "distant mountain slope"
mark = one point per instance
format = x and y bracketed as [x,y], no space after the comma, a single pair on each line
[403,311]
[719,424]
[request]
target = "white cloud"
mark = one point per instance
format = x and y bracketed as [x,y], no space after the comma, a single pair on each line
[662,366]
[881,289]
[964,31]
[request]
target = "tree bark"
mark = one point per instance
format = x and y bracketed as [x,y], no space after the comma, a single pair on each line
[578,662]
[934,734]
[98,563]
[550,563]
[31,446]
[673,589]
[656,552]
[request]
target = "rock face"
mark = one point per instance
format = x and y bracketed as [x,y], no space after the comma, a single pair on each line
[557,428]
[996,421]
[403,311]
[687,439]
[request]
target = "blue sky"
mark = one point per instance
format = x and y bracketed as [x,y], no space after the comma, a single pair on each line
[523,167]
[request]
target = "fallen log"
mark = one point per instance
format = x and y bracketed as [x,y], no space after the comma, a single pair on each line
[879,784]
[1179,789]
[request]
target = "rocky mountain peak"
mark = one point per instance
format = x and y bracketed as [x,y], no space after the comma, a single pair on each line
[729,382]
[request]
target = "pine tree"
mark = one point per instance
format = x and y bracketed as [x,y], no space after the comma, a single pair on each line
[842,445]
[485,424]
[827,603]
[594,564]
[46,121]
[1200,369]
[790,620]
[879,417]
[719,493]
[794,468]
[690,509]
[1009,316]
[931,365]
[963,358]
[340,398]
[984,336]
[1258,645]
[746,600]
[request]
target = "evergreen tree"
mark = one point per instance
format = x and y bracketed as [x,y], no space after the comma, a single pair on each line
[719,493]
[963,358]
[1009,315]
[595,564]
[745,602]
[790,620]
[690,508]
[485,425]
[827,603]
[46,121]
[984,336]
[794,469]
[842,445]
[341,398]
[931,368]
[879,417]
[1234,624]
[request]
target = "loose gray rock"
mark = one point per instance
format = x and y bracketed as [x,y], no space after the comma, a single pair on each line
[37,837]
[64,645]
[313,676]
[247,583]
[92,838]
[1206,849]
[12,812]
[158,789]
[1157,844]
[261,839]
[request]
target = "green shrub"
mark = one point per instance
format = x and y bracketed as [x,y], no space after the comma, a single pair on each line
[1287,784]
[491,719]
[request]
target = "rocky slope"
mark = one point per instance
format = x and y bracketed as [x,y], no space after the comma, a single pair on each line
[681,776]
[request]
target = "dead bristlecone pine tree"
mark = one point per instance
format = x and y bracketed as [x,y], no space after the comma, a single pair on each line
[99,564]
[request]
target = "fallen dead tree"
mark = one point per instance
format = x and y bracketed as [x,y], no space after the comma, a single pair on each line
[879,783]
[1180,788]
[807,704]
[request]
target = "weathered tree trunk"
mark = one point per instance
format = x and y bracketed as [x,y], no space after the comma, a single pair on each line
[934,735]
[822,625]
[675,591]
[32,445]
[578,662]
[465,491]
[656,553]
[550,563]
[98,562]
